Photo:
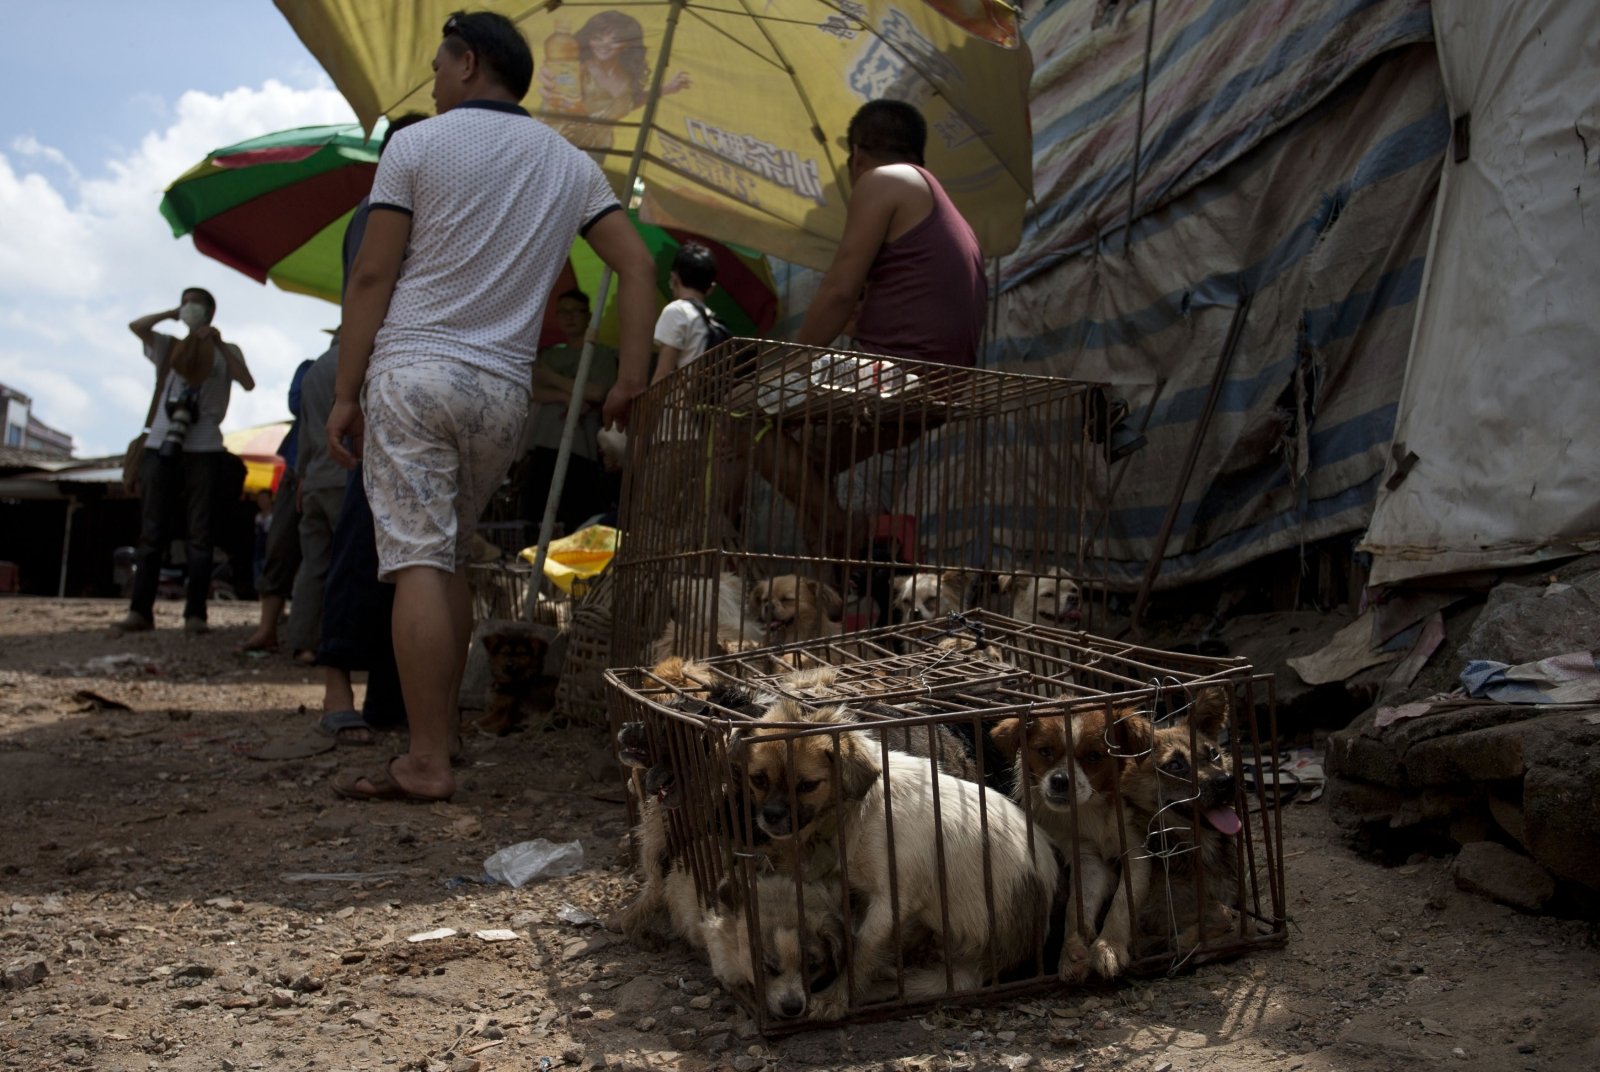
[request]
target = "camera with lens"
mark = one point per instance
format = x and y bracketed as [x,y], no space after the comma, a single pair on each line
[181,414]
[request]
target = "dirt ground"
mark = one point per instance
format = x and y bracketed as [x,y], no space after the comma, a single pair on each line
[197,909]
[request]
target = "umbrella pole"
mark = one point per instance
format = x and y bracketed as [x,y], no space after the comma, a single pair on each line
[580,377]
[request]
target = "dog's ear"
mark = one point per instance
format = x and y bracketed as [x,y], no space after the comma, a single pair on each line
[1129,733]
[1007,737]
[786,710]
[826,599]
[1008,581]
[833,956]
[953,580]
[730,894]
[858,767]
[493,643]
[1210,709]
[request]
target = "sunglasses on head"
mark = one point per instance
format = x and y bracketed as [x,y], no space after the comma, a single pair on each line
[453,27]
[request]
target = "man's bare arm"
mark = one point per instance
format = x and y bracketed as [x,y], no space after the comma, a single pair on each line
[366,303]
[866,225]
[666,363]
[618,244]
[145,326]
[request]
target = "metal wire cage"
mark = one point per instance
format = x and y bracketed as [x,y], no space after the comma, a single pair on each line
[778,493]
[950,870]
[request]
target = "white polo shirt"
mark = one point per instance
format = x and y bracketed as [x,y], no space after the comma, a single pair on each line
[496,199]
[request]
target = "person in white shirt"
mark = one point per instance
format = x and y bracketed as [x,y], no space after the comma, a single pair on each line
[182,451]
[472,215]
[683,325]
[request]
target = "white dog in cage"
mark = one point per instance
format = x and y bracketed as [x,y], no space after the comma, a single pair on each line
[928,596]
[1050,598]
[936,869]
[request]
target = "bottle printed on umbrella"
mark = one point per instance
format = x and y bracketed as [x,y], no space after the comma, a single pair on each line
[562,84]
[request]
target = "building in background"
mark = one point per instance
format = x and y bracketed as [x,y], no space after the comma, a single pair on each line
[24,431]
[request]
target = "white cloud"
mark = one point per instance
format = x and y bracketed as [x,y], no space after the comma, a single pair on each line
[83,254]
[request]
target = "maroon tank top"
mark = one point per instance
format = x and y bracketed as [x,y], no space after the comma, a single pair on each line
[926,290]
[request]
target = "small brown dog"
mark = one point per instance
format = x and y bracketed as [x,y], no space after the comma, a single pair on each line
[792,608]
[517,686]
[797,960]
[1061,773]
[1181,795]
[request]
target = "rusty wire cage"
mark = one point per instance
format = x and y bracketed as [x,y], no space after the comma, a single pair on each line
[721,868]
[778,493]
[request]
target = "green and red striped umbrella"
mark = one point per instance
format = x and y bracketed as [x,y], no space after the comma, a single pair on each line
[276,207]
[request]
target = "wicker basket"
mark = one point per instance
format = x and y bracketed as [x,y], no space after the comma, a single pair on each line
[581,692]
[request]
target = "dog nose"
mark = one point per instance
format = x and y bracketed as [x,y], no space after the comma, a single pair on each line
[1060,781]
[776,816]
[1225,786]
[791,1007]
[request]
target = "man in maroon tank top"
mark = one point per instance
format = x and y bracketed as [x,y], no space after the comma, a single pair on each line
[907,245]
[917,261]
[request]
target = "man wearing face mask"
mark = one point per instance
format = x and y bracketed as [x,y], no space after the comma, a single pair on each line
[182,451]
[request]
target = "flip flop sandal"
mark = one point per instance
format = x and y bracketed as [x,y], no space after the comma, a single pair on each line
[337,724]
[384,787]
[303,747]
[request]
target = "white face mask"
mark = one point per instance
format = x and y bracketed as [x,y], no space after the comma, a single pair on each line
[192,314]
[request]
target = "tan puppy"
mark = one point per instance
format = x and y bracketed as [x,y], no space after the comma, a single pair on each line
[1181,795]
[797,961]
[926,596]
[1063,775]
[835,788]
[791,608]
[1050,599]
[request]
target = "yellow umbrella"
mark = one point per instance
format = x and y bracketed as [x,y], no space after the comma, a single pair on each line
[257,447]
[745,142]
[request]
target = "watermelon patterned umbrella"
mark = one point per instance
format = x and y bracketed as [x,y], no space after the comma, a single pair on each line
[276,207]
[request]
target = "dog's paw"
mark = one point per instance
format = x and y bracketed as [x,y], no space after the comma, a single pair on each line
[1074,966]
[832,1004]
[1108,959]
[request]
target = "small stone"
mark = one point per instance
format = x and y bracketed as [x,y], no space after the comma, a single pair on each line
[1526,1047]
[646,1024]
[1006,1037]
[1459,1053]
[637,995]
[370,1019]
[494,1032]
[746,1063]
[700,1001]
[23,972]
[582,1012]
[1019,1061]
[465,1064]
[716,1043]
[1164,1066]
[682,1039]
[1388,934]
[281,997]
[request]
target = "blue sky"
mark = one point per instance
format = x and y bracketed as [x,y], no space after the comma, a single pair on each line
[107,102]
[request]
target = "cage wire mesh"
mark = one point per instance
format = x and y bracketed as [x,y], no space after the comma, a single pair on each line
[778,493]
[838,826]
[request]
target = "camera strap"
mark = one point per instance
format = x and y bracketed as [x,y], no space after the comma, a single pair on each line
[163,367]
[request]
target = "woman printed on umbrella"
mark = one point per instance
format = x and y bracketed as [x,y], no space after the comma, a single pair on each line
[613,77]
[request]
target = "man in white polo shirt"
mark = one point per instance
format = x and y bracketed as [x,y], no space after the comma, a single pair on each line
[473,213]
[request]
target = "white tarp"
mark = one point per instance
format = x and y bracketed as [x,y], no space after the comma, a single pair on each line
[1499,403]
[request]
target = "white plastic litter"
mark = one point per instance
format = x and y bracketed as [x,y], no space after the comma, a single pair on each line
[432,936]
[497,935]
[518,864]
